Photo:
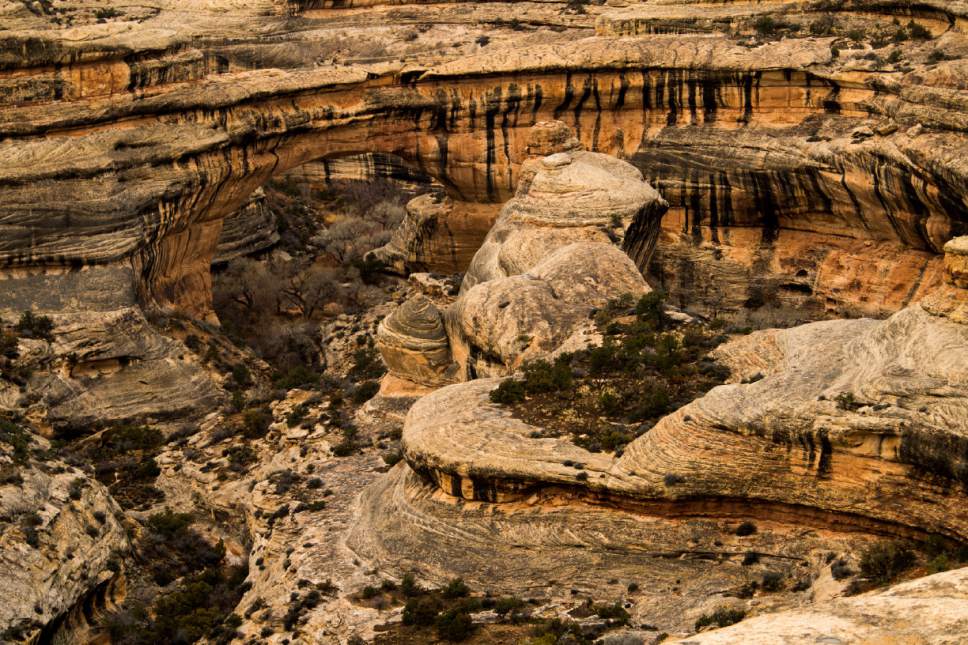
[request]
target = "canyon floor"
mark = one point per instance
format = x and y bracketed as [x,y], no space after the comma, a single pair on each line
[489,322]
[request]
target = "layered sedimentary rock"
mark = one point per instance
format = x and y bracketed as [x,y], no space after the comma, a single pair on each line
[142,131]
[499,324]
[564,198]
[250,229]
[551,258]
[437,235]
[927,610]
[62,537]
[109,366]
[847,423]
[414,344]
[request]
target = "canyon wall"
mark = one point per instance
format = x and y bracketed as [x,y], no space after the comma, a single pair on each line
[803,184]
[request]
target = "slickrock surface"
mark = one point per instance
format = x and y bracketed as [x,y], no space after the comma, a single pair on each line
[250,229]
[113,366]
[61,530]
[564,198]
[928,610]
[501,323]
[551,258]
[891,453]
[809,173]
[808,157]
[559,549]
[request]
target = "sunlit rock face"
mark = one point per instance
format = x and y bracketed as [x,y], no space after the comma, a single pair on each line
[803,185]
[928,610]
[565,198]
[438,234]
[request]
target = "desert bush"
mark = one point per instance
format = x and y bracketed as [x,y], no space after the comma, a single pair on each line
[918,31]
[823,26]
[421,610]
[365,391]
[841,570]
[745,528]
[612,612]
[256,422]
[722,617]
[772,581]
[542,376]
[509,391]
[34,326]
[454,625]
[409,586]
[455,589]
[882,562]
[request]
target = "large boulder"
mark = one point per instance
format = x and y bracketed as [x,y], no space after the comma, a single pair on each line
[414,344]
[497,325]
[565,198]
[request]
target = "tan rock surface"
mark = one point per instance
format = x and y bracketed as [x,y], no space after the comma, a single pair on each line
[414,345]
[76,531]
[161,121]
[931,610]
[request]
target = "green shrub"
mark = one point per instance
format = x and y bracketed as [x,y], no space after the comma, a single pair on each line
[421,611]
[508,392]
[297,415]
[746,528]
[365,391]
[367,364]
[722,617]
[882,562]
[649,309]
[454,625]
[256,422]
[409,585]
[298,376]
[614,612]
[768,26]
[841,570]
[241,378]
[508,605]
[32,326]
[8,344]
[823,26]
[541,376]
[918,31]
[772,581]
[455,589]
[653,402]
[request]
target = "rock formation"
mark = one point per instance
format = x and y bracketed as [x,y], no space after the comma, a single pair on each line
[852,423]
[549,260]
[764,148]
[437,235]
[927,610]
[767,164]
[62,538]
[414,344]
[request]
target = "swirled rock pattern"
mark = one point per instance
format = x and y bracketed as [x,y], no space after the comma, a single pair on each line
[803,184]
[859,421]
[61,530]
[414,343]
[928,610]
[438,234]
[563,198]
[499,324]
